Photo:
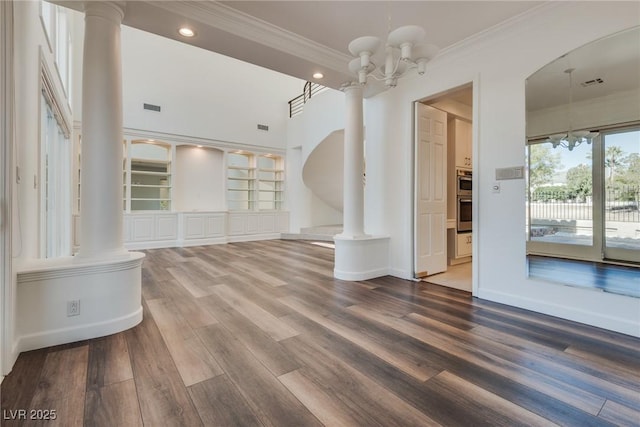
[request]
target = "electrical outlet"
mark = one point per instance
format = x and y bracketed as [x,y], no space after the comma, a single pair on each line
[73,307]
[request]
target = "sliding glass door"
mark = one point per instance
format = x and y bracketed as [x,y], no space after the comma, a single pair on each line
[583,201]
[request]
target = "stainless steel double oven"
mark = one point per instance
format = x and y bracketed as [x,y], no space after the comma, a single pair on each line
[464,199]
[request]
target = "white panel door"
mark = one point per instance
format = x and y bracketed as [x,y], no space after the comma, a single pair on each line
[430,247]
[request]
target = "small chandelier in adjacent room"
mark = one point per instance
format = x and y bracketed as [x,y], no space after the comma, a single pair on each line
[403,51]
[572,138]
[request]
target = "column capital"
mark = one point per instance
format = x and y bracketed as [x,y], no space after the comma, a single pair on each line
[110,10]
[351,86]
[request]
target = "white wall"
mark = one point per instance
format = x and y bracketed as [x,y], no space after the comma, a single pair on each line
[198,179]
[498,64]
[614,108]
[201,93]
[30,45]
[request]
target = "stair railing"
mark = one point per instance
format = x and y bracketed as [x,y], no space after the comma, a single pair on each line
[296,105]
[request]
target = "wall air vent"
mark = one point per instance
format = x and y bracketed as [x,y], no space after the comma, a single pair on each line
[151,107]
[592,82]
[263,127]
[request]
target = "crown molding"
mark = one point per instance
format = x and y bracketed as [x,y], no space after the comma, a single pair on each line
[487,35]
[243,25]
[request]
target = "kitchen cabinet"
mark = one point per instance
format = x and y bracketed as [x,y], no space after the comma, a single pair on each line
[459,247]
[460,135]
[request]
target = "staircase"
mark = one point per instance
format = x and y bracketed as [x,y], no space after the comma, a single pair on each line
[322,233]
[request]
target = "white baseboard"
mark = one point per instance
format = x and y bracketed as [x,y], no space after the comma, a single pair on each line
[253,237]
[360,275]
[400,274]
[202,242]
[79,333]
[623,326]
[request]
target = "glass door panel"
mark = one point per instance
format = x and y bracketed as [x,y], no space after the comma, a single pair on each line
[621,164]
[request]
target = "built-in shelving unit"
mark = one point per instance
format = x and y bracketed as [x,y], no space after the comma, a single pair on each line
[150,182]
[241,181]
[183,193]
[270,183]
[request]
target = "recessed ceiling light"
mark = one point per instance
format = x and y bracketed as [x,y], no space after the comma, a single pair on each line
[199,146]
[186,32]
[318,75]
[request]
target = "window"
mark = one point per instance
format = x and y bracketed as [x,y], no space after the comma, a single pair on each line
[47,17]
[63,48]
[55,190]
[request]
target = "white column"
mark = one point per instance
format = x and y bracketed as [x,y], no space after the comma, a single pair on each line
[353,206]
[101,214]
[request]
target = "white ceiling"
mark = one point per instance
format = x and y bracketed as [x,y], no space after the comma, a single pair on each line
[301,37]
[614,59]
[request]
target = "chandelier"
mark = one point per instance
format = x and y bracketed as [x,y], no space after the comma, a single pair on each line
[572,138]
[403,51]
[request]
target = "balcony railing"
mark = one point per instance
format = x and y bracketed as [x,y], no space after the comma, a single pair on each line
[296,105]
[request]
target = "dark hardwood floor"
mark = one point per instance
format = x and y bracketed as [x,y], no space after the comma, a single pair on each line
[261,334]
[617,279]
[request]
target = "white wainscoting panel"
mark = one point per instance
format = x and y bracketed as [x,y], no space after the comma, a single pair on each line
[193,226]
[142,228]
[237,224]
[253,223]
[166,227]
[215,225]
[268,223]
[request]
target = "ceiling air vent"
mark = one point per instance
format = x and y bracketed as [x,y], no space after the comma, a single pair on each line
[151,107]
[263,127]
[592,82]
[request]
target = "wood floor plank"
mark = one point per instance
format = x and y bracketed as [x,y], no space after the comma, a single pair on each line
[389,355]
[268,398]
[620,415]
[571,358]
[559,376]
[194,313]
[208,267]
[162,395]
[325,405]
[62,386]
[19,386]
[262,346]
[115,404]
[261,294]
[367,362]
[193,360]
[108,362]
[260,275]
[260,317]
[220,404]
[183,278]
[569,394]
[495,410]
[369,401]
[266,335]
